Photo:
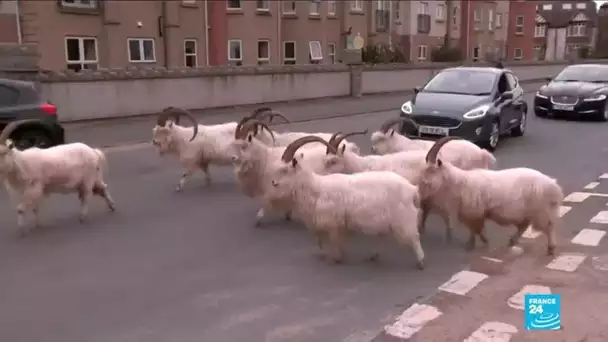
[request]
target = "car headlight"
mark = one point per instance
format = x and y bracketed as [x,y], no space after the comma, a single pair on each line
[538,94]
[598,97]
[407,107]
[477,113]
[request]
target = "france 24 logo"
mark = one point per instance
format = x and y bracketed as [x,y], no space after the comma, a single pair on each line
[543,311]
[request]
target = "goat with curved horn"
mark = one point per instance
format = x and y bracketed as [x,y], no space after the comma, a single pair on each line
[337,140]
[431,156]
[392,122]
[292,148]
[176,113]
[251,125]
[9,129]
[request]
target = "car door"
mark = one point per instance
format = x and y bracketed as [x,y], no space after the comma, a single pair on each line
[9,98]
[504,107]
[519,102]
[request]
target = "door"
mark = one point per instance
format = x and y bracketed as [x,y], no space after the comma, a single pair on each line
[504,107]
[519,102]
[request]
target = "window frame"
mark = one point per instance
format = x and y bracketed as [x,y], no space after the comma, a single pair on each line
[581,5]
[566,6]
[519,28]
[265,3]
[540,30]
[191,54]
[491,16]
[331,7]
[78,4]
[312,44]
[499,19]
[229,45]
[521,54]
[141,52]
[423,8]
[293,6]
[576,30]
[478,49]
[263,60]
[295,53]
[331,52]
[356,5]
[419,54]
[547,7]
[228,3]
[440,12]
[189,2]
[82,62]
[316,5]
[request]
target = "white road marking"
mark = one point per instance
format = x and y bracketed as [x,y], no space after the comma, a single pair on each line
[517,300]
[589,237]
[592,185]
[491,259]
[412,320]
[601,217]
[463,282]
[563,210]
[567,262]
[533,234]
[493,332]
[577,197]
[604,176]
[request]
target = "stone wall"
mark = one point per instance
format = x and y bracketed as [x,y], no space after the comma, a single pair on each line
[118,93]
[16,57]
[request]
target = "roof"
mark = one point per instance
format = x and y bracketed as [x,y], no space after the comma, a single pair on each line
[558,17]
[479,69]
[16,83]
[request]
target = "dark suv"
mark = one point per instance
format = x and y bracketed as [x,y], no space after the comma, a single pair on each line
[21,100]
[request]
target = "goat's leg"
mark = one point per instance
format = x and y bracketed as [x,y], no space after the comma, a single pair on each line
[474,226]
[185,176]
[449,224]
[550,240]
[84,195]
[424,214]
[288,215]
[101,189]
[336,239]
[321,238]
[205,167]
[29,201]
[418,252]
[521,228]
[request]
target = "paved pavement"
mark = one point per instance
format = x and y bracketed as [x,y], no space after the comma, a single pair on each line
[191,266]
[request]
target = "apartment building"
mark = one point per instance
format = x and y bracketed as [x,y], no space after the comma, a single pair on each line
[484,29]
[8,22]
[601,42]
[520,30]
[563,27]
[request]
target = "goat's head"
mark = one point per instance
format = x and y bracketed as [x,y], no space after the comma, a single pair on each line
[384,141]
[7,147]
[161,133]
[260,114]
[334,155]
[433,174]
[244,145]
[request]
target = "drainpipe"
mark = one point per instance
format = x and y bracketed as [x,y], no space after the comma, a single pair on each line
[163,32]
[279,36]
[18,23]
[206,33]
[468,33]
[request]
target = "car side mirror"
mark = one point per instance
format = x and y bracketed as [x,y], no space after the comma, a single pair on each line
[506,96]
[417,90]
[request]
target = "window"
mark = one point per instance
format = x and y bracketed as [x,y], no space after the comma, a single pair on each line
[477,15]
[8,96]
[263,51]
[189,2]
[235,51]
[397,11]
[315,7]
[289,7]
[289,52]
[547,7]
[423,7]
[537,50]
[498,20]
[540,30]
[566,6]
[519,24]
[465,81]
[440,12]
[455,16]
[190,56]
[581,5]
[79,3]
[422,49]
[356,5]
[331,7]
[81,53]
[511,80]
[518,54]
[233,4]
[476,53]
[573,48]
[141,50]
[382,15]
[490,19]
[262,5]
[331,52]
[315,51]
[576,30]
[585,73]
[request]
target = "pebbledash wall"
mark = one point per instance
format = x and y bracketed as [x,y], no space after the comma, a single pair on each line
[117,93]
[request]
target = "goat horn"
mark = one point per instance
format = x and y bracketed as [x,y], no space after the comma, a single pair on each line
[264,126]
[331,141]
[259,111]
[177,112]
[10,128]
[248,126]
[392,122]
[239,127]
[165,115]
[431,156]
[291,149]
[339,139]
[272,114]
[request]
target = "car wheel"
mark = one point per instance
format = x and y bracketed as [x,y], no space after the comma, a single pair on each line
[540,114]
[604,115]
[520,129]
[32,137]
[494,137]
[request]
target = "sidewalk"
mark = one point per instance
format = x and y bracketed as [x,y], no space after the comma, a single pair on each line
[116,132]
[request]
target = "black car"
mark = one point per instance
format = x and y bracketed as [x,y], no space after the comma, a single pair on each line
[479,104]
[578,91]
[21,100]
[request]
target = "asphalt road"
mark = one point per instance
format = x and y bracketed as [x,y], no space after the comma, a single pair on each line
[191,266]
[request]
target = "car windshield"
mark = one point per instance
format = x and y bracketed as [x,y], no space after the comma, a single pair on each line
[461,82]
[584,73]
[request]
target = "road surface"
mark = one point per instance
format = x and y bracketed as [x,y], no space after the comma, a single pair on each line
[191,266]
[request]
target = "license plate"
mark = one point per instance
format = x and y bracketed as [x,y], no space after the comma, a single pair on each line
[563,107]
[434,130]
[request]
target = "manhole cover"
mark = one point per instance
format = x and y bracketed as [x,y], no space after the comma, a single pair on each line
[600,262]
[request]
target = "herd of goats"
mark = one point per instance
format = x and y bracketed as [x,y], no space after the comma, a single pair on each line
[320,179]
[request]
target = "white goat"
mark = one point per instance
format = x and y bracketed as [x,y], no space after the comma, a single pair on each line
[463,153]
[197,147]
[374,203]
[517,196]
[32,174]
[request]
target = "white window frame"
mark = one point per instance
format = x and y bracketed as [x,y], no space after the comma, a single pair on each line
[141,50]
[537,50]
[356,5]
[295,52]
[477,15]
[331,7]
[264,60]
[581,5]
[265,5]
[516,56]
[566,6]
[455,16]
[576,30]
[540,30]
[314,7]
[240,44]
[422,53]
[234,8]
[423,7]
[82,62]
[499,18]
[519,28]
[195,53]
[397,11]
[331,52]
[291,7]
[189,2]
[311,48]
[490,19]
[440,12]
[478,49]
[79,4]
[547,7]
